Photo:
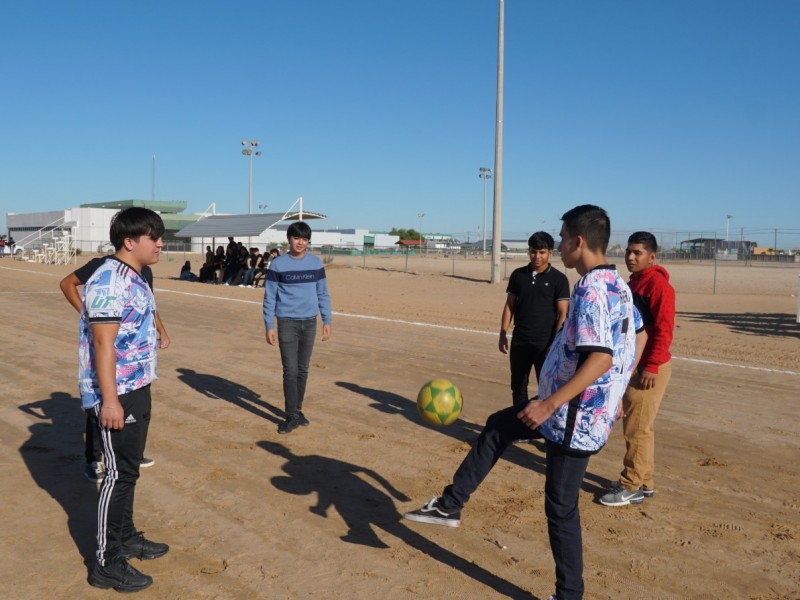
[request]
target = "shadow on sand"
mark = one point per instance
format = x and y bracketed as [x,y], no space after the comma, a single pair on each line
[391,403]
[213,386]
[761,324]
[54,457]
[365,506]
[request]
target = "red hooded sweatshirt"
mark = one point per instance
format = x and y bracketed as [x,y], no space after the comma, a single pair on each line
[655,298]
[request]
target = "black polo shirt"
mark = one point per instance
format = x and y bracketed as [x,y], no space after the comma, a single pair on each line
[535,308]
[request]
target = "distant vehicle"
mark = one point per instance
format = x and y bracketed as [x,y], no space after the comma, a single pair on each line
[106,248]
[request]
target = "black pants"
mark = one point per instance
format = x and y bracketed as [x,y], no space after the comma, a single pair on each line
[523,356]
[93,449]
[124,449]
[564,474]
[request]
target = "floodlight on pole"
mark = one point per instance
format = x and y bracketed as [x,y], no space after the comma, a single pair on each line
[485,173]
[250,149]
[727,226]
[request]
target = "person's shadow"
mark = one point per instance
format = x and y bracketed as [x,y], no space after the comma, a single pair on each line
[51,453]
[391,403]
[365,506]
[213,386]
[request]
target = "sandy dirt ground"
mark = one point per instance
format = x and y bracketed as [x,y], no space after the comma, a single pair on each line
[250,514]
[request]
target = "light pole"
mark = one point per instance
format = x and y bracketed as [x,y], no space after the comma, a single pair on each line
[249,149]
[485,173]
[421,216]
[727,227]
[498,150]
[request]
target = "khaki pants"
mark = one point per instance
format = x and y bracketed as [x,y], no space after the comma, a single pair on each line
[638,426]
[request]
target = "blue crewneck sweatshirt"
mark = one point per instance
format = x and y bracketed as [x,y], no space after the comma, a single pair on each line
[296,288]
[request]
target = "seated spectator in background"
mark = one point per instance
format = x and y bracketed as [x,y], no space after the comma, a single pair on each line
[253,262]
[266,260]
[231,265]
[209,255]
[219,264]
[273,254]
[186,272]
[207,271]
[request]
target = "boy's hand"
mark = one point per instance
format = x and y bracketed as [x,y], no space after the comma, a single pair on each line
[502,343]
[272,337]
[535,413]
[112,416]
[326,333]
[647,380]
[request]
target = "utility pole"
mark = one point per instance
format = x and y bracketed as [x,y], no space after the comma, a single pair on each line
[498,152]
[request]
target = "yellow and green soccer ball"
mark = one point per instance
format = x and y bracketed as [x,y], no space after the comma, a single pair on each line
[439,402]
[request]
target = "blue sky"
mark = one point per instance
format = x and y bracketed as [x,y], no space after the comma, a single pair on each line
[669,114]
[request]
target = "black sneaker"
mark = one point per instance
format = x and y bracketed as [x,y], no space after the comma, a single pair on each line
[121,576]
[140,547]
[301,419]
[648,492]
[288,425]
[434,514]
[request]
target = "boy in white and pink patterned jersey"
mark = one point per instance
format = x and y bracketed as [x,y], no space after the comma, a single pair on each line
[117,364]
[580,391]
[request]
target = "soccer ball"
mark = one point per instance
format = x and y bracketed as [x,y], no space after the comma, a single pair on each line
[439,402]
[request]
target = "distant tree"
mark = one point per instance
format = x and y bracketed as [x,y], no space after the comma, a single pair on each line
[405,234]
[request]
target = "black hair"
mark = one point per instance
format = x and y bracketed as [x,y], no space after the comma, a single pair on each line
[541,240]
[299,229]
[591,223]
[134,222]
[645,238]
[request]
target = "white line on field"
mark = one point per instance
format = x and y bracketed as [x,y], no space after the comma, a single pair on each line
[484,332]
[415,323]
[31,271]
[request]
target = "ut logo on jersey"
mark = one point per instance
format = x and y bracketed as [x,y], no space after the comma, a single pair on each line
[101,302]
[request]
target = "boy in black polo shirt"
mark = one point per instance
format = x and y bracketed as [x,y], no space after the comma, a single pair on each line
[537,302]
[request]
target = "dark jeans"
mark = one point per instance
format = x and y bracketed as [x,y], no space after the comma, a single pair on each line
[564,474]
[522,357]
[249,274]
[124,449]
[296,341]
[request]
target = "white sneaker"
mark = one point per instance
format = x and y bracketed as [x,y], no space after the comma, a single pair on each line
[619,496]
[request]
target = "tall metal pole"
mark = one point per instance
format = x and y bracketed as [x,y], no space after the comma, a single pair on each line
[250,188]
[421,216]
[498,153]
[249,149]
[485,173]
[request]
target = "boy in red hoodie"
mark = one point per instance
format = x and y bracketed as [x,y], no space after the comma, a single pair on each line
[655,298]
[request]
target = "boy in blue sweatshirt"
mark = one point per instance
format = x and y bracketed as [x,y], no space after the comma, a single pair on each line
[296,291]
